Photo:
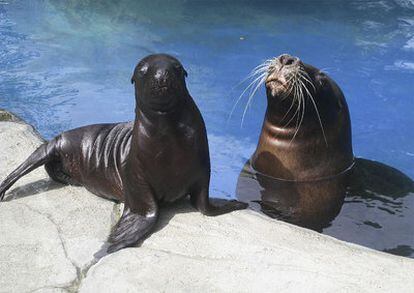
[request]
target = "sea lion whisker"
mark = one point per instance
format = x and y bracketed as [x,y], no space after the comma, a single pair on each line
[258,69]
[257,72]
[288,111]
[291,84]
[251,97]
[325,69]
[301,119]
[319,118]
[288,91]
[261,67]
[302,97]
[297,115]
[265,63]
[305,87]
[252,74]
[295,98]
[242,94]
[301,79]
[305,76]
[317,111]
[291,87]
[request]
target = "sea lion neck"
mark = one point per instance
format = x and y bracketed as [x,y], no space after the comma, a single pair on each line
[273,126]
[281,115]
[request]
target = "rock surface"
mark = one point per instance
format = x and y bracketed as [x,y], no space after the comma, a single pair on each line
[50,232]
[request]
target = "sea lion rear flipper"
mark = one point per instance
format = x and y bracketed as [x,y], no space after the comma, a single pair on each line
[39,157]
[213,207]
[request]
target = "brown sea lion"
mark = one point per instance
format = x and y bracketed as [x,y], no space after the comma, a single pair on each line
[158,158]
[306,132]
[304,155]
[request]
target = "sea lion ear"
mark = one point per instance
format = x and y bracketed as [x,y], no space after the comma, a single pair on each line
[132,80]
[340,104]
[185,73]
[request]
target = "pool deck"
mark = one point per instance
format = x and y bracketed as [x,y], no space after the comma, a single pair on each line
[50,232]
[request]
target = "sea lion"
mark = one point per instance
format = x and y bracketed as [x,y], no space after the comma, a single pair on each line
[304,171]
[306,132]
[158,158]
[304,152]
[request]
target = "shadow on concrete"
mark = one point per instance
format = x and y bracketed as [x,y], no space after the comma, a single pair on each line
[32,188]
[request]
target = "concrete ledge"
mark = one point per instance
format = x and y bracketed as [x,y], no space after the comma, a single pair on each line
[49,233]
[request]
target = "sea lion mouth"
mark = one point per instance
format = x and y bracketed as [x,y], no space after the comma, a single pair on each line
[163,98]
[168,87]
[161,89]
[274,81]
[277,85]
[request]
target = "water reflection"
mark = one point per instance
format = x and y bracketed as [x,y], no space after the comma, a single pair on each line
[371,204]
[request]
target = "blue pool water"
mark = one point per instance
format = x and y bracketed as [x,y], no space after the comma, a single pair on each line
[65,64]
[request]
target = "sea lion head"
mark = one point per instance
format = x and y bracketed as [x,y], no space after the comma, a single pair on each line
[159,82]
[295,88]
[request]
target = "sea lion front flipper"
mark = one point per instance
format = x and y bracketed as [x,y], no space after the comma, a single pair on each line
[213,207]
[139,216]
[131,228]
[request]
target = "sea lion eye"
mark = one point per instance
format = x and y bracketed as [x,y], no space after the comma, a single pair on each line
[140,70]
[143,69]
[321,78]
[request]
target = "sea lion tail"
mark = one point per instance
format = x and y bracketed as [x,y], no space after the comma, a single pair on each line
[39,157]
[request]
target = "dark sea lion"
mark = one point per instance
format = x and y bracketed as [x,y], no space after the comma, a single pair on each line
[304,154]
[158,158]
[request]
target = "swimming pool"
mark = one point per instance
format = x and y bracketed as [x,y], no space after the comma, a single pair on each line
[65,64]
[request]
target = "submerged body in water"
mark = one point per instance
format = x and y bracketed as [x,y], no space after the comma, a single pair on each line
[348,206]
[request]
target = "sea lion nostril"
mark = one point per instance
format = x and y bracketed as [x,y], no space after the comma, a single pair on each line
[162,77]
[287,59]
[159,74]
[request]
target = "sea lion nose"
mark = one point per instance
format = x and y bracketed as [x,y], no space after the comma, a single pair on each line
[161,75]
[287,59]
